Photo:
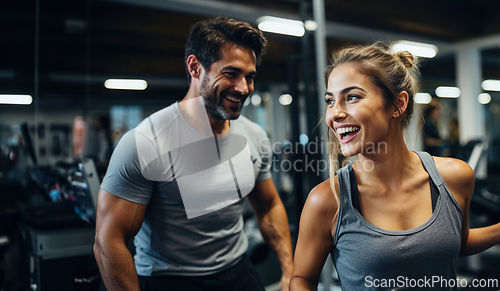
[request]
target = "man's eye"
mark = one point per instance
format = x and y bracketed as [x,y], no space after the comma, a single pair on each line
[230,74]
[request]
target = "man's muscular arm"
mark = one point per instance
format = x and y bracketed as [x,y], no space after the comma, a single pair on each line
[118,220]
[273,224]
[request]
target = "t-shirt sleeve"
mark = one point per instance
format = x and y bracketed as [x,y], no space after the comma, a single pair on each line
[124,177]
[265,155]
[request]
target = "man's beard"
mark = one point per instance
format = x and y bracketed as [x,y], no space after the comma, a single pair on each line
[213,103]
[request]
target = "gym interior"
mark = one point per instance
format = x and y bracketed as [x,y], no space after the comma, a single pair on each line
[60,118]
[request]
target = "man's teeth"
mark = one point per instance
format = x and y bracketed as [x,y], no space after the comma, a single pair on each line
[232,99]
[343,130]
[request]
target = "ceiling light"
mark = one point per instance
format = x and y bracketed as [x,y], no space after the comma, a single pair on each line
[281,25]
[311,25]
[448,92]
[415,48]
[256,99]
[423,98]
[126,84]
[266,96]
[303,139]
[491,85]
[484,98]
[16,99]
[285,99]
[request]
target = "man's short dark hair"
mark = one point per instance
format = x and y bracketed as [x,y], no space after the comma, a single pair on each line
[208,36]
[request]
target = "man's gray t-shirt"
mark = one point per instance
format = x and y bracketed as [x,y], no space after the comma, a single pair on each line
[212,238]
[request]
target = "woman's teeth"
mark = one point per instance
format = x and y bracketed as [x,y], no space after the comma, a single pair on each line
[345,130]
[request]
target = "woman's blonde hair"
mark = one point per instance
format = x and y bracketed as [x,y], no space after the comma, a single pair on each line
[393,73]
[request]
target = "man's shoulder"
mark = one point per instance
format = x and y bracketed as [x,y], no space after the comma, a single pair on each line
[128,138]
[147,129]
[169,111]
[157,122]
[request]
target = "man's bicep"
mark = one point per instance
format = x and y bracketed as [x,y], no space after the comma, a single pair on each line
[117,216]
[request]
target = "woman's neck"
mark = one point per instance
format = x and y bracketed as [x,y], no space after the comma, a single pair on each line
[390,164]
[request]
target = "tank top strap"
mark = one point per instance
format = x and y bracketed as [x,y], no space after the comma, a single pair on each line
[430,167]
[344,186]
[344,197]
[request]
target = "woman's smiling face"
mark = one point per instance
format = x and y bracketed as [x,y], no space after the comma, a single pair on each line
[356,111]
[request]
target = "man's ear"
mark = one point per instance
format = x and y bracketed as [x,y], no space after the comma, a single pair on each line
[194,66]
[401,104]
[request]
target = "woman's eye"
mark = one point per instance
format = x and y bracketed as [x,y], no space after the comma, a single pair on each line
[352,97]
[329,102]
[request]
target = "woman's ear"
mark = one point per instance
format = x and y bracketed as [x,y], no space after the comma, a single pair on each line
[193,66]
[401,104]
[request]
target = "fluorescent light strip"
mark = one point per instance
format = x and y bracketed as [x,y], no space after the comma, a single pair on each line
[281,26]
[491,85]
[423,98]
[448,92]
[16,99]
[484,98]
[125,84]
[415,48]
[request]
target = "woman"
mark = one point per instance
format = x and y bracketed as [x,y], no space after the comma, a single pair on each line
[395,218]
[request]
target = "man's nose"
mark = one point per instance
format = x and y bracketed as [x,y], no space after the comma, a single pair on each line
[243,87]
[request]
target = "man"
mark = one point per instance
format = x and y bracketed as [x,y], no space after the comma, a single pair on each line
[163,184]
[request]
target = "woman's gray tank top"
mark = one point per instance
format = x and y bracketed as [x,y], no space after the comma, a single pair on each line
[370,258]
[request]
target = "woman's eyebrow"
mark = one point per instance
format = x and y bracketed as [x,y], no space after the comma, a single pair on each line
[345,90]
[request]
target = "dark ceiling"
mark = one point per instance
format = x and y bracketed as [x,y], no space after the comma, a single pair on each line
[62,51]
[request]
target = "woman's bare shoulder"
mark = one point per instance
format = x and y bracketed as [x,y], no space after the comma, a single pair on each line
[454,171]
[457,175]
[321,200]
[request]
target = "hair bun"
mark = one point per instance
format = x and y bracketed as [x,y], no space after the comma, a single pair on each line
[406,58]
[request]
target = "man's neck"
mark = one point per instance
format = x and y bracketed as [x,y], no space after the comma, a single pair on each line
[219,126]
[194,114]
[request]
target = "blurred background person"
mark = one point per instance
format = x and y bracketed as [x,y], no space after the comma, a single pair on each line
[433,144]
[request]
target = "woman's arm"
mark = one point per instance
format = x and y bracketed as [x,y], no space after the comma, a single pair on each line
[459,178]
[481,239]
[315,237]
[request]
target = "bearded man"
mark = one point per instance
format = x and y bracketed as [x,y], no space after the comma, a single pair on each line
[177,182]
